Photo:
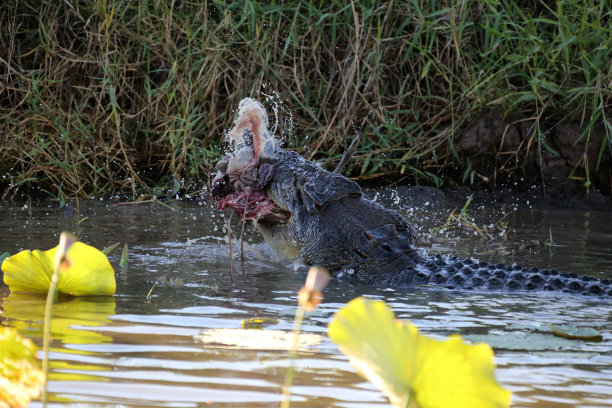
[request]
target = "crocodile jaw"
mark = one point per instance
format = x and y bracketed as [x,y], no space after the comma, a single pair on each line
[280,239]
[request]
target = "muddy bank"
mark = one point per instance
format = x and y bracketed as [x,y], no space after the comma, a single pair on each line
[562,160]
[456,197]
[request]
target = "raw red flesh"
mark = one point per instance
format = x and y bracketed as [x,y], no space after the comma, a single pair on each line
[258,206]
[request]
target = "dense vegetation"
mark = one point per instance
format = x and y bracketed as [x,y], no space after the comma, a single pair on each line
[106,96]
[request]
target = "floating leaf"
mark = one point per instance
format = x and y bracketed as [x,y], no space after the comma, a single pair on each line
[380,349]
[89,273]
[258,322]
[569,332]
[452,373]
[86,272]
[20,376]
[29,271]
[412,368]
[523,341]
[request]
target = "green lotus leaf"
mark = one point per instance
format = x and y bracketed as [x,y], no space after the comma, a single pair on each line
[523,341]
[569,332]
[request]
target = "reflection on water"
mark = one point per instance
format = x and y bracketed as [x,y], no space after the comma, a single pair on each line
[71,316]
[132,352]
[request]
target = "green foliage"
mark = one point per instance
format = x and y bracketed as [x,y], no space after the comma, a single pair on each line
[463,220]
[121,95]
[110,248]
[124,256]
[550,242]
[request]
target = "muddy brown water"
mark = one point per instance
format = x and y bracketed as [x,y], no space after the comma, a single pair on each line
[127,351]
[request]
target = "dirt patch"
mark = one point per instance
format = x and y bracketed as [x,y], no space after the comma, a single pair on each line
[562,158]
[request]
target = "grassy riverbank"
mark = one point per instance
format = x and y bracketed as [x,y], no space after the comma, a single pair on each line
[98,97]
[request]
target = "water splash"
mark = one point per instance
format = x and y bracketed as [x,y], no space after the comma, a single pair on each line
[283,116]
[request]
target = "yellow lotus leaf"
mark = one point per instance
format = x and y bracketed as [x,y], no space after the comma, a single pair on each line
[86,272]
[29,271]
[89,273]
[377,347]
[452,373]
[20,376]
[411,369]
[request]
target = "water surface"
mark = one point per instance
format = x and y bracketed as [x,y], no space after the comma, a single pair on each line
[128,351]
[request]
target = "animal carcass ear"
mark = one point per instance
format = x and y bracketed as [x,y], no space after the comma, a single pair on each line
[322,186]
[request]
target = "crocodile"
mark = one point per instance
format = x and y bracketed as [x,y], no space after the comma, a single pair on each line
[317,217]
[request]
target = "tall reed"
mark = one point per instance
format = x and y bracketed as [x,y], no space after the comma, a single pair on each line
[103,96]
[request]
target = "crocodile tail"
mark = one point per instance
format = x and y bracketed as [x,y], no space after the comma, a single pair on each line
[454,273]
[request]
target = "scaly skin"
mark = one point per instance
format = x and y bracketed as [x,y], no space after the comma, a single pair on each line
[322,218]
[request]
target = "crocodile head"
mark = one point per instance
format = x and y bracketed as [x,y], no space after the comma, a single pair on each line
[243,173]
[289,199]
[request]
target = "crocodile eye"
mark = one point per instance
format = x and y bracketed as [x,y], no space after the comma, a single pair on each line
[361,253]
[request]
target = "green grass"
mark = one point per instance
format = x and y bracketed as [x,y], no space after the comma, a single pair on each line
[107,96]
